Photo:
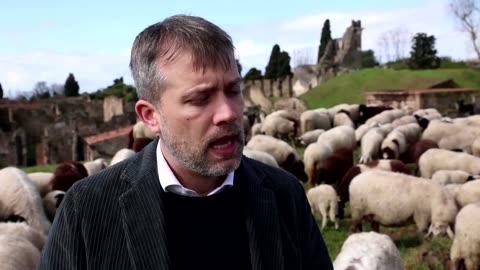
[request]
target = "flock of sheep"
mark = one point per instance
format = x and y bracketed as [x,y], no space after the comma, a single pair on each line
[441,197]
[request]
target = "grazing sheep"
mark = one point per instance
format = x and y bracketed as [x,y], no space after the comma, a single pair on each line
[342,118]
[95,166]
[397,141]
[285,155]
[42,181]
[367,112]
[325,165]
[341,137]
[440,159]
[465,249]
[407,119]
[371,143]
[391,165]
[121,155]
[310,137]
[386,117]
[476,147]
[462,141]
[66,174]
[20,200]
[260,156]
[256,129]
[468,193]
[21,229]
[139,130]
[51,202]
[416,150]
[278,127]
[362,130]
[374,193]
[323,199]
[18,253]
[368,251]
[445,177]
[312,119]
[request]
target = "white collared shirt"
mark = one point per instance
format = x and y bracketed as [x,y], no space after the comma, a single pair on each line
[170,183]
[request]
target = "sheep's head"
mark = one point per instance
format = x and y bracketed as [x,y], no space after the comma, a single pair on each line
[440,228]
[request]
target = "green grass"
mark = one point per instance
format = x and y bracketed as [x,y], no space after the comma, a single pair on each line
[44,168]
[351,87]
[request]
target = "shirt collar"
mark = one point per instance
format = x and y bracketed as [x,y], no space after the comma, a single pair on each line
[170,183]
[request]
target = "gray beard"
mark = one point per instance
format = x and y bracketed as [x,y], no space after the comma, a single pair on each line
[194,157]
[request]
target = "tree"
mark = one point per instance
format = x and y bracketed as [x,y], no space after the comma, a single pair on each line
[368,59]
[41,91]
[71,86]
[325,37]
[239,66]
[284,68]
[1,91]
[467,15]
[253,74]
[423,54]
[271,70]
[394,43]
[278,65]
[119,89]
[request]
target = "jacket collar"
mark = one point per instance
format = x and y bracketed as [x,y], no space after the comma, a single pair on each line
[144,221]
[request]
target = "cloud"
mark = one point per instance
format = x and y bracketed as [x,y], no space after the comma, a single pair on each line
[20,72]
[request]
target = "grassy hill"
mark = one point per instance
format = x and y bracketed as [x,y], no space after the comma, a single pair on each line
[351,87]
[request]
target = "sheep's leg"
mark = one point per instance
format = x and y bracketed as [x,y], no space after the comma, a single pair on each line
[332,212]
[356,226]
[375,226]
[323,211]
[472,263]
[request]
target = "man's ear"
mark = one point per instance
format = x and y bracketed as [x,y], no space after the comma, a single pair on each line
[148,114]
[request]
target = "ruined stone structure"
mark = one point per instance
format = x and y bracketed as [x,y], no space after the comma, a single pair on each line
[443,99]
[53,130]
[344,53]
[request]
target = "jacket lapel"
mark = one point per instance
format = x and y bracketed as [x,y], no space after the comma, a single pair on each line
[262,219]
[142,212]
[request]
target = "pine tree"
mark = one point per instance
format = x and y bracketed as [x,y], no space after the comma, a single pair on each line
[423,54]
[284,68]
[324,39]
[71,86]
[271,71]
[1,91]
[253,74]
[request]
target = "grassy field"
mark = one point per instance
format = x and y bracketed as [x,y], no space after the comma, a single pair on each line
[351,87]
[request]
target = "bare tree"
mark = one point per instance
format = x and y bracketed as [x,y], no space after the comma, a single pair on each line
[467,15]
[304,56]
[394,43]
[384,44]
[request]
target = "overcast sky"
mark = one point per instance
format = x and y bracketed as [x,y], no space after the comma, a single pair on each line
[46,40]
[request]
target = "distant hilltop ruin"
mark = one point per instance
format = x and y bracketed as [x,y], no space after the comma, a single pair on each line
[341,55]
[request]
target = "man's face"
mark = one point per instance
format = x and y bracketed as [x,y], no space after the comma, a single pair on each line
[200,116]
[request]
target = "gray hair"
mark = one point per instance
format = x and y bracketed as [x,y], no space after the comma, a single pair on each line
[163,42]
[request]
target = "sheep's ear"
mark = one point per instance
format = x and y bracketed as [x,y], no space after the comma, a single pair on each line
[59,198]
[450,233]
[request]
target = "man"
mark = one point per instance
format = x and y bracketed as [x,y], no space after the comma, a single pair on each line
[188,200]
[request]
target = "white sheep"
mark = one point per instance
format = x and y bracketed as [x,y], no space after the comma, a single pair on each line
[17,253]
[368,251]
[310,137]
[461,141]
[42,181]
[445,177]
[323,199]
[407,119]
[371,143]
[468,193]
[342,119]
[51,202]
[440,159]
[277,126]
[121,155]
[465,248]
[21,229]
[19,198]
[140,130]
[362,130]
[260,156]
[341,137]
[256,129]
[476,147]
[374,193]
[95,166]
[312,119]
[313,156]
[280,150]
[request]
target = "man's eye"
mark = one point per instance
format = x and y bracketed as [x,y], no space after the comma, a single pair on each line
[199,100]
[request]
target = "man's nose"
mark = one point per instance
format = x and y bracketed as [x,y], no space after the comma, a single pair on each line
[225,111]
